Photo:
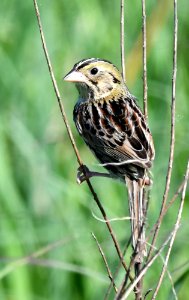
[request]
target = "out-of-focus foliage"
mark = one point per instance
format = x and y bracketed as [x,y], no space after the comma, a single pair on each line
[40,202]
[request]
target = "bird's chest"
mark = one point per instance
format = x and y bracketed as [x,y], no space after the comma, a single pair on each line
[79,116]
[102,123]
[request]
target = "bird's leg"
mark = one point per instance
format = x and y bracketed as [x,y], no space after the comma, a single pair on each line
[84,173]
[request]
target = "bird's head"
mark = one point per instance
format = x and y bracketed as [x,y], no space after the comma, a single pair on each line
[95,78]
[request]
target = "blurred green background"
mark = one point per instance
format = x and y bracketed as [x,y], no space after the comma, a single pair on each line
[42,209]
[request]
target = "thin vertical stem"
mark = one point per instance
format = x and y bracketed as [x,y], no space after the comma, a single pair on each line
[172,143]
[143,271]
[118,268]
[122,35]
[174,234]
[145,85]
[105,262]
[61,106]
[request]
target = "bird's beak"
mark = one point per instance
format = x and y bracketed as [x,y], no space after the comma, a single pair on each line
[75,76]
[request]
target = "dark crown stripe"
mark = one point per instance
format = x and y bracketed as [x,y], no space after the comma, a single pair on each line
[84,62]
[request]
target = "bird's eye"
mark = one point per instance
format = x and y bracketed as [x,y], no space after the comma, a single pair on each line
[94,71]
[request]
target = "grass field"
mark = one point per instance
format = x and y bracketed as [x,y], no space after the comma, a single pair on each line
[43,211]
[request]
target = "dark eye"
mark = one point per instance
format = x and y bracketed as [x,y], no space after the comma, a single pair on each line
[94,71]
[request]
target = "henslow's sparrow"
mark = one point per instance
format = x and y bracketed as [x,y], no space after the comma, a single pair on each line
[112,125]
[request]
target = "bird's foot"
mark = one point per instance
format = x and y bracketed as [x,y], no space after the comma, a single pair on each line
[83,173]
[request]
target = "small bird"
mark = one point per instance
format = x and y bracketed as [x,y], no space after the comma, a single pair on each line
[114,128]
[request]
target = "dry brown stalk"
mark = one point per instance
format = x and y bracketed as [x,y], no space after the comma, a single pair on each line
[122,36]
[118,268]
[105,262]
[170,203]
[170,278]
[138,265]
[172,142]
[176,227]
[134,258]
[116,244]
[145,86]
[142,272]
[155,23]
[175,196]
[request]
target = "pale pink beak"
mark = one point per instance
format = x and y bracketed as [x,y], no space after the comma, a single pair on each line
[75,76]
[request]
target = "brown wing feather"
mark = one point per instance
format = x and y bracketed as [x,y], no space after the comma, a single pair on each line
[116,131]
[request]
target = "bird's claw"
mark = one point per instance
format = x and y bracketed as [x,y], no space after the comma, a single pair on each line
[83,173]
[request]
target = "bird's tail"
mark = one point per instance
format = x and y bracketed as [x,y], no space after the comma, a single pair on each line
[137,207]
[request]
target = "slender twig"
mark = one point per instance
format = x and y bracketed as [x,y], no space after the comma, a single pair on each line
[170,203]
[169,275]
[55,85]
[72,139]
[179,190]
[175,196]
[118,268]
[122,35]
[176,227]
[124,283]
[155,23]
[136,254]
[172,143]
[145,85]
[141,246]
[144,269]
[105,262]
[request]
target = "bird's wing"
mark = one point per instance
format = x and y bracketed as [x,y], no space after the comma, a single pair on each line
[116,129]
